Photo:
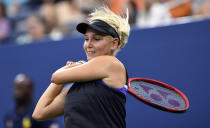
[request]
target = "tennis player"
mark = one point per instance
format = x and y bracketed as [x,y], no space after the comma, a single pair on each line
[98,96]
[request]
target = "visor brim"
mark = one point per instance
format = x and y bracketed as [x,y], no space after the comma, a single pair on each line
[82,28]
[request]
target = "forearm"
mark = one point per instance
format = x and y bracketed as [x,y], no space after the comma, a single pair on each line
[51,103]
[49,95]
[42,108]
[57,75]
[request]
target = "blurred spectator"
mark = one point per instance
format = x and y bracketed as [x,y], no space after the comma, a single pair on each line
[22,8]
[60,17]
[4,24]
[18,11]
[89,5]
[33,4]
[21,115]
[139,4]
[179,8]
[133,11]
[13,9]
[10,2]
[48,12]
[117,6]
[201,7]
[36,30]
[154,14]
[69,15]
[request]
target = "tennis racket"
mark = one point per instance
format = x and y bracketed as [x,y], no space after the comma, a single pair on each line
[158,94]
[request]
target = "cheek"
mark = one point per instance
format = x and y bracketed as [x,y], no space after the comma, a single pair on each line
[103,47]
[99,46]
[84,46]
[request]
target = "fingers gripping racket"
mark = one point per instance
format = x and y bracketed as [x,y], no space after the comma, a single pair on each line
[158,94]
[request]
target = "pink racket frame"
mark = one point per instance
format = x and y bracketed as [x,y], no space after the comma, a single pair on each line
[162,85]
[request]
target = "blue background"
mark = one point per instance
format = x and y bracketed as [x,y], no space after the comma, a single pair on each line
[178,55]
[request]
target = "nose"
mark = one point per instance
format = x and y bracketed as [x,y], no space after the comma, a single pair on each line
[89,43]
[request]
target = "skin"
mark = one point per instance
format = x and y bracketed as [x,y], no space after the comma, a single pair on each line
[36,28]
[101,64]
[96,44]
[22,93]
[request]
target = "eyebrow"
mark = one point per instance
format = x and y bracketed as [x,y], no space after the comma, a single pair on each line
[97,34]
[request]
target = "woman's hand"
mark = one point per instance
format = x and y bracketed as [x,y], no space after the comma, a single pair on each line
[70,64]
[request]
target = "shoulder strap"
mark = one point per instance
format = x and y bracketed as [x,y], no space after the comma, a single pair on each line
[126,76]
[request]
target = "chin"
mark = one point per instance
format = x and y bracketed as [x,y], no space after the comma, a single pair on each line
[90,57]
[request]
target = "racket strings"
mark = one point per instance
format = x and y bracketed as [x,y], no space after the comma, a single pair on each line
[158,95]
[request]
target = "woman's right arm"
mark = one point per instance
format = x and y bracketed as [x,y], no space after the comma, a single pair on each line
[51,103]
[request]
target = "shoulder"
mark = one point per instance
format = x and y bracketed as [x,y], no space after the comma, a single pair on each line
[104,60]
[107,63]
[115,70]
[9,114]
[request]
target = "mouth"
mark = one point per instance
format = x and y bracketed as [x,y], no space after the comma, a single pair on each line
[90,52]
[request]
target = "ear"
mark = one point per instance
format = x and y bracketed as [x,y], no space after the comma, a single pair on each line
[115,42]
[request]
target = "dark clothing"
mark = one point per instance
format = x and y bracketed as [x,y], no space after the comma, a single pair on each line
[24,120]
[94,105]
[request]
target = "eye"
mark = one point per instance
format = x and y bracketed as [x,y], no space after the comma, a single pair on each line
[97,38]
[86,39]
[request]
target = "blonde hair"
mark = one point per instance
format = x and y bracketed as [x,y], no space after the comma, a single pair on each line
[119,23]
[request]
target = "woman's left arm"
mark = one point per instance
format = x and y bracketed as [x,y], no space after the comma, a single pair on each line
[97,68]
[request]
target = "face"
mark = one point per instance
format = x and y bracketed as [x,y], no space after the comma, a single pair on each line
[35,28]
[97,44]
[22,90]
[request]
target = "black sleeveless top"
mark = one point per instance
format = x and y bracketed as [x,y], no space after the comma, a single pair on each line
[93,104]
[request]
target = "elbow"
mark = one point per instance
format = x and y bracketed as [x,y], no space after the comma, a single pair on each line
[38,116]
[54,78]
[57,79]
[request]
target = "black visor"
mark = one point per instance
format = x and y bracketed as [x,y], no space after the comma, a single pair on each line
[100,26]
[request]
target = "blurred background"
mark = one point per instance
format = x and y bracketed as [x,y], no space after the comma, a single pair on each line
[29,21]
[169,42]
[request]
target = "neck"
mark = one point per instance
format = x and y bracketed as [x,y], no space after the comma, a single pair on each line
[21,106]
